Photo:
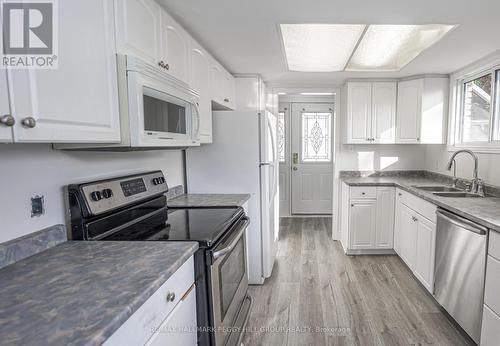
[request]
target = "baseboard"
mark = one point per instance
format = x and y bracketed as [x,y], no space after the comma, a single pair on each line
[371,252]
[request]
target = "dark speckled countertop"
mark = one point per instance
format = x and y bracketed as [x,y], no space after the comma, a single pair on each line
[80,293]
[484,211]
[208,200]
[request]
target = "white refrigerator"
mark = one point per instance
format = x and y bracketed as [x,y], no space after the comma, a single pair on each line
[243,158]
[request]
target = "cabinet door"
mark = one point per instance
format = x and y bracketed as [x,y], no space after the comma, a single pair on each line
[175,47]
[359,112]
[385,218]
[362,223]
[384,112]
[409,111]
[78,101]
[408,236]
[138,29]
[397,222]
[426,245]
[200,81]
[5,131]
[179,328]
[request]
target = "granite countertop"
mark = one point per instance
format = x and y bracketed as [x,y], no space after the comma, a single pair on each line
[81,292]
[208,200]
[484,211]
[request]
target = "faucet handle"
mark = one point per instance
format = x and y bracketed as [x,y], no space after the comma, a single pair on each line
[480,187]
[468,186]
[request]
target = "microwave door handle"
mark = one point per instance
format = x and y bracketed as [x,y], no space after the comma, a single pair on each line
[226,249]
[196,132]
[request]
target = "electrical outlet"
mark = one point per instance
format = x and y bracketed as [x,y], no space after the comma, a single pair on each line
[37,206]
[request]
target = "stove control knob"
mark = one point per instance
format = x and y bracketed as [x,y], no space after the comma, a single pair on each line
[162,180]
[96,196]
[156,181]
[107,193]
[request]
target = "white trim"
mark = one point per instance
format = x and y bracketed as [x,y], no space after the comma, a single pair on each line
[487,65]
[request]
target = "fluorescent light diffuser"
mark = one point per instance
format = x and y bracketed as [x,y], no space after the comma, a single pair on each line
[319,47]
[316,94]
[391,47]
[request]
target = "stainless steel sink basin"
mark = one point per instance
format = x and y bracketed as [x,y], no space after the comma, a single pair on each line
[455,194]
[438,188]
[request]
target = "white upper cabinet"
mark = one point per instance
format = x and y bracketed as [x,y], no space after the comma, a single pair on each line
[384,112]
[175,48]
[78,101]
[371,112]
[422,111]
[359,112]
[138,29]
[222,86]
[200,81]
[6,117]
[409,111]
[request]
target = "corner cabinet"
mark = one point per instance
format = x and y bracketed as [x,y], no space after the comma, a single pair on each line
[371,112]
[78,101]
[168,317]
[422,111]
[367,219]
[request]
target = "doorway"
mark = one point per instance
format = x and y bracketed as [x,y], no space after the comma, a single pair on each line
[306,175]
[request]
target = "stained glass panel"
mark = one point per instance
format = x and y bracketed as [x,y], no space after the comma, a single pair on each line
[316,137]
[281,137]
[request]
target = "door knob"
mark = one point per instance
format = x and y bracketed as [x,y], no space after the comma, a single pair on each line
[29,122]
[295,168]
[7,120]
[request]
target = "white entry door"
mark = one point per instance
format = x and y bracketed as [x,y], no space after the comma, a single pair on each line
[312,158]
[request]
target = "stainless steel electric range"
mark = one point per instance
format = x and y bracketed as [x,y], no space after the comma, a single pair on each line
[134,208]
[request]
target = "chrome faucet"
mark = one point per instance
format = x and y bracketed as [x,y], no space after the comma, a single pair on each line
[477,184]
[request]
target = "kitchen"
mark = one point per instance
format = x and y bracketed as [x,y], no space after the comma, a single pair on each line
[233,173]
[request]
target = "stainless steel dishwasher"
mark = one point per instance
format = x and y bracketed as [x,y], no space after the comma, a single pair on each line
[460,270]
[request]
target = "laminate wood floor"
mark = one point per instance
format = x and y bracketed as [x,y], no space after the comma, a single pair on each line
[319,296]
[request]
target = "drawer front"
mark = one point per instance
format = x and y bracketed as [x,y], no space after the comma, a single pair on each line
[424,208]
[138,328]
[494,247]
[492,285]
[490,329]
[362,192]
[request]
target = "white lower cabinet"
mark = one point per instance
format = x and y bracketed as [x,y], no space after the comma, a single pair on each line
[168,317]
[425,252]
[179,328]
[490,329]
[415,236]
[367,219]
[362,224]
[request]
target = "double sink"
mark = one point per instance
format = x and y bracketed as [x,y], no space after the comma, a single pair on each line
[447,191]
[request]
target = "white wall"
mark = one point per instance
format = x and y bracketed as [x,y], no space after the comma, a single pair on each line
[380,157]
[437,157]
[34,169]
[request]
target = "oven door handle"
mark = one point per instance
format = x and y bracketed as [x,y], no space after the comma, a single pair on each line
[226,249]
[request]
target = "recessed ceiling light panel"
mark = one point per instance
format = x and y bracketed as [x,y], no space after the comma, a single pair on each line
[391,47]
[319,47]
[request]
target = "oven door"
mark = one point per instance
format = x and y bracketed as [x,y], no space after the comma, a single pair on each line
[160,114]
[229,281]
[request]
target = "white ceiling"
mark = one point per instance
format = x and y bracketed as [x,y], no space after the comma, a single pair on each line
[244,35]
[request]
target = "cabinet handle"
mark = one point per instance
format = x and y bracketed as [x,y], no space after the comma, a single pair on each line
[29,122]
[167,66]
[226,100]
[7,120]
[414,218]
[400,194]
[170,296]
[352,205]
[363,193]
[161,64]
[418,139]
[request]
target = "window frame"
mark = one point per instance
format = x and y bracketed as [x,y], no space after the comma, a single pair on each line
[458,97]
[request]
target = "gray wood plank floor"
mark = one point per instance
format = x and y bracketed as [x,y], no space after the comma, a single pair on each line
[356,300]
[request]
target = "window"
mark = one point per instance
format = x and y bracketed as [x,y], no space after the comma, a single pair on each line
[478,123]
[316,137]
[281,137]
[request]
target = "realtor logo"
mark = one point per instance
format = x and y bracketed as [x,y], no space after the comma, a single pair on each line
[29,31]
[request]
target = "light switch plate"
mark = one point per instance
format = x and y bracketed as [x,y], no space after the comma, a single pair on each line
[37,206]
